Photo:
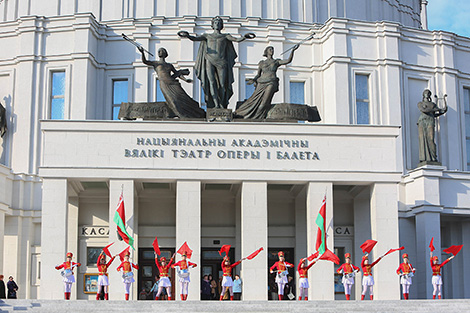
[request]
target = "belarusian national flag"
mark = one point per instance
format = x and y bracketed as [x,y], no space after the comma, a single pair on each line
[321,233]
[120,220]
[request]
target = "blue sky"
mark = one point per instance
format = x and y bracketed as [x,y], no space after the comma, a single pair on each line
[449,15]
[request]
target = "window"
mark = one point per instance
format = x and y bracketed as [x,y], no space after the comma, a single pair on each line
[120,94]
[160,97]
[58,95]
[297,92]
[362,99]
[466,101]
[249,89]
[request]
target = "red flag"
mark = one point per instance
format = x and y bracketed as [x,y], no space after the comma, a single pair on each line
[321,232]
[453,249]
[185,249]
[123,252]
[120,220]
[330,256]
[313,256]
[251,256]
[156,248]
[393,250]
[225,248]
[431,246]
[106,250]
[368,245]
[327,256]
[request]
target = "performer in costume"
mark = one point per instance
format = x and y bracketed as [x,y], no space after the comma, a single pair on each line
[406,271]
[103,275]
[368,280]
[127,276]
[164,281]
[348,270]
[436,275]
[303,268]
[67,273]
[281,277]
[227,281]
[184,274]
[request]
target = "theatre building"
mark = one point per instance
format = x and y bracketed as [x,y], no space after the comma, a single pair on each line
[66,157]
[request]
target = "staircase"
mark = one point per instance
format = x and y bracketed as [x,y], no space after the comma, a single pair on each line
[86,306]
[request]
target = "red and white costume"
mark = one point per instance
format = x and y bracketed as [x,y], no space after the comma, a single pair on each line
[348,280]
[126,267]
[405,270]
[68,276]
[281,277]
[103,276]
[164,280]
[303,280]
[368,280]
[436,276]
[183,265]
[227,281]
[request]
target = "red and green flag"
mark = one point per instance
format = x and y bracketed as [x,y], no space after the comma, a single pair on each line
[120,220]
[321,233]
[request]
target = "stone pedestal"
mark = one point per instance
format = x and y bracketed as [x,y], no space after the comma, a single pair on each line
[219,115]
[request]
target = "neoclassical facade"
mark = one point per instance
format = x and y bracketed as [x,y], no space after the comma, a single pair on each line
[66,158]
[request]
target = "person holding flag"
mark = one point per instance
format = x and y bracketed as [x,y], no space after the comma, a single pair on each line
[227,282]
[164,282]
[436,267]
[67,274]
[282,272]
[303,268]
[406,271]
[368,280]
[183,272]
[127,276]
[348,269]
[103,282]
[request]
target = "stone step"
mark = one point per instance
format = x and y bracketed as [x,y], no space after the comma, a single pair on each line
[86,306]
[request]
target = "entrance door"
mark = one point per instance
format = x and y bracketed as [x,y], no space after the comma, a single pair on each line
[148,270]
[210,265]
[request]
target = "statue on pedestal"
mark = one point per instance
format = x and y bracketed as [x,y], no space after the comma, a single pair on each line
[214,63]
[426,128]
[176,98]
[266,83]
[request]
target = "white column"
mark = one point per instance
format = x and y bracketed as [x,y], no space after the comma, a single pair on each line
[300,232]
[361,233]
[2,238]
[188,228]
[238,229]
[72,238]
[53,236]
[321,274]
[428,225]
[384,229]
[465,256]
[254,234]
[115,278]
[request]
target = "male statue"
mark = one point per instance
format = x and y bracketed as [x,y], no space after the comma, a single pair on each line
[426,127]
[215,61]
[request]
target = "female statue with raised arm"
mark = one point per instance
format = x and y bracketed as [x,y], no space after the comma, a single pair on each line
[267,84]
[176,98]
